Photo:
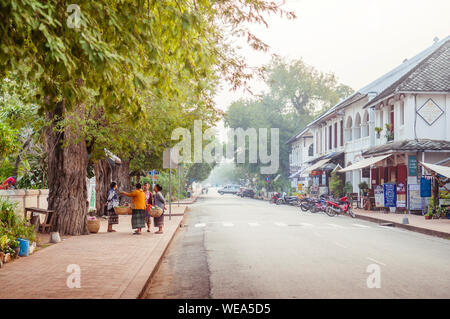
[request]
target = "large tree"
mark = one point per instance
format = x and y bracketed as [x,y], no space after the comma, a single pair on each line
[124,56]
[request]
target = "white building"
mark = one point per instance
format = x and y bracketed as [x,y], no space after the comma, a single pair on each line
[413,100]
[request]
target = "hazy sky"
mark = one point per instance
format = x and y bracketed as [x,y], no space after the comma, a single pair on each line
[358,40]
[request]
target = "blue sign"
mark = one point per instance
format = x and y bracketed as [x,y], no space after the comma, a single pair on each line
[267,179]
[390,195]
[425,186]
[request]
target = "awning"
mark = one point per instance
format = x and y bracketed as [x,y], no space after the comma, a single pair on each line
[313,167]
[364,163]
[443,170]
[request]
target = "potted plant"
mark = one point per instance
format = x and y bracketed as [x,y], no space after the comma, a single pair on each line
[378,130]
[389,132]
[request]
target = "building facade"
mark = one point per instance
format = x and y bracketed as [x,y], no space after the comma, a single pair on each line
[400,118]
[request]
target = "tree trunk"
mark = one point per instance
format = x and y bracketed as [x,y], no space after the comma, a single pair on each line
[123,181]
[67,172]
[103,178]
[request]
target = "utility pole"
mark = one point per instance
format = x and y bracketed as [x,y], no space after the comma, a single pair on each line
[170,183]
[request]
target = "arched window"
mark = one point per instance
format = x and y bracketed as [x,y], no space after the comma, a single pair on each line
[365,125]
[357,127]
[348,129]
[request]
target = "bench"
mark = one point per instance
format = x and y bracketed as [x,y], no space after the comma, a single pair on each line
[49,222]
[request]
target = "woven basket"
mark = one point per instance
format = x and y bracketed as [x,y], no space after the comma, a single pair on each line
[93,226]
[155,212]
[122,210]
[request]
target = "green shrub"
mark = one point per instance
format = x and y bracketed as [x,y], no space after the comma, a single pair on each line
[336,185]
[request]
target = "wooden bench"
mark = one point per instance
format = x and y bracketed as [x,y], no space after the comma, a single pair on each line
[49,222]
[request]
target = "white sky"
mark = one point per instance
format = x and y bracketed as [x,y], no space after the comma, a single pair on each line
[358,40]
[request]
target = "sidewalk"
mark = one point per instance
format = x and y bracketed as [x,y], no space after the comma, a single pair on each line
[113,265]
[417,223]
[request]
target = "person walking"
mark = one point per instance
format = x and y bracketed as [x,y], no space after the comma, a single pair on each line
[149,203]
[111,202]
[158,200]
[138,213]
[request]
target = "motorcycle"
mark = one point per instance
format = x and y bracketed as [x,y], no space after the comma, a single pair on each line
[307,203]
[319,206]
[288,200]
[338,207]
[275,197]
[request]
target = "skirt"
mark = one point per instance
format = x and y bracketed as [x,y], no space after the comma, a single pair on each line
[138,218]
[113,218]
[158,221]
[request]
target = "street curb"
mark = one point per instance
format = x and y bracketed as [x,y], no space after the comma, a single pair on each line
[137,286]
[416,229]
[158,263]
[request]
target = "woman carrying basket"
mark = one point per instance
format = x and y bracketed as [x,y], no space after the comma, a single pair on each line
[138,213]
[111,202]
[158,200]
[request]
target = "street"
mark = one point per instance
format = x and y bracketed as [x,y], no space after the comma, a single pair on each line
[232,247]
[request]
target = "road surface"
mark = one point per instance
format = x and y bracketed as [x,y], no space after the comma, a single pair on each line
[235,247]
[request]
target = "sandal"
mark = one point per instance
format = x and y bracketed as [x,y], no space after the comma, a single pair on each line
[111,231]
[159,232]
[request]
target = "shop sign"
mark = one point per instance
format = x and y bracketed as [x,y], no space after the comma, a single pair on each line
[379,196]
[412,165]
[316,173]
[390,195]
[414,199]
[401,195]
[299,187]
[425,186]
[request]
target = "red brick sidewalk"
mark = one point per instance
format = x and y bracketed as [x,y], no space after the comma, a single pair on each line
[113,265]
[418,223]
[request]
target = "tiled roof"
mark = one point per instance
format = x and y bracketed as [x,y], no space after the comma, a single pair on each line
[409,145]
[430,75]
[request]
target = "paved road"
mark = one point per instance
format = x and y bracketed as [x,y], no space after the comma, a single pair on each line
[243,248]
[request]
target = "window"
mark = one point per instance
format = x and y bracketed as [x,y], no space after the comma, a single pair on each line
[330,143]
[311,150]
[342,132]
[335,135]
[381,119]
[402,113]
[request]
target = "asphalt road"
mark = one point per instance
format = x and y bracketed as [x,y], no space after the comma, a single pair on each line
[235,247]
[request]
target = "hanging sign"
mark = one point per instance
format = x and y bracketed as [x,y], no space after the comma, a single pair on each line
[299,187]
[414,199]
[412,165]
[425,186]
[401,195]
[390,195]
[379,196]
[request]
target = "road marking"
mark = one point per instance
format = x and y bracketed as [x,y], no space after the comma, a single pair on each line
[307,224]
[362,226]
[280,224]
[376,261]
[253,224]
[335,226]
[340,245]
[200,225]
[228,224]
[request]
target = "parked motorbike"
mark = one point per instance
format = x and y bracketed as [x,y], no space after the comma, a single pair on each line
[341,206]
[307,203]
[288,200]
[275,197]
[319,206]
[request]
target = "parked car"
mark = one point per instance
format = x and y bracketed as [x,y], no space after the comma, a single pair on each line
[229,189]
[248,192]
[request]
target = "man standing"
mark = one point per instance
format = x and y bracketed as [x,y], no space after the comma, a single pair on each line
[138,213]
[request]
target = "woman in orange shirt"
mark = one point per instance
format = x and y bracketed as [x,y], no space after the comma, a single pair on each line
[138,213]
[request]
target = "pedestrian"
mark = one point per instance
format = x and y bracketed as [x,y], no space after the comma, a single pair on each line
[111,202]
[158,200]
[148,202]
[138,213]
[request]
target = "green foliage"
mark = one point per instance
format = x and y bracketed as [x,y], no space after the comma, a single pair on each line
[363,186]
[336,185]
[348,188]
[297,93]
[12,227]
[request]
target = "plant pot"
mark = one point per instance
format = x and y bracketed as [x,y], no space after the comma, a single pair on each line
[427,217]
[93,226]
[7,258]
[378,135]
